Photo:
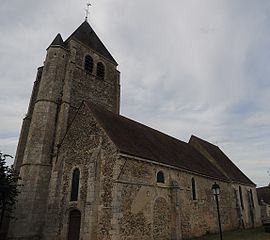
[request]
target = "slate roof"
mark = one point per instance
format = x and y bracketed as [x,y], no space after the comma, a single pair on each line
[138,140]
[85,34]
[264,194]
[58,41]
[232,171]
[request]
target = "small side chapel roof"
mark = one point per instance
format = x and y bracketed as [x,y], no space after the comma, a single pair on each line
[85,34]
[232,171]
[138,140]
[264,194]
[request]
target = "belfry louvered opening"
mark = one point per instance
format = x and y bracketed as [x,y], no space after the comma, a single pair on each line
[88,64]
[100,70]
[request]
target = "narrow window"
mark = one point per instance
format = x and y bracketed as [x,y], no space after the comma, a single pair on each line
[241,197]
[88,64]
[160,177]
[251,198]
[74,225]
[100,70]
[193,186]
[75,185]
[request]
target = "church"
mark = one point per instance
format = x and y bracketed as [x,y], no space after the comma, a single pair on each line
[89,173]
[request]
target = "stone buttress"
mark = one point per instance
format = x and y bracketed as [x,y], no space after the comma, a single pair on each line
[35,168]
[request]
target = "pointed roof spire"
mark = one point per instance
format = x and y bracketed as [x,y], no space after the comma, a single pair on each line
[85,34]
[58,41]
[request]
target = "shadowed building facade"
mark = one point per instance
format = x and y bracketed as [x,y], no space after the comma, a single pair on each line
[90,173]
[264,202]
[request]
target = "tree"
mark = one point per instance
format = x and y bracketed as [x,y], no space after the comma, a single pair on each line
[8,188]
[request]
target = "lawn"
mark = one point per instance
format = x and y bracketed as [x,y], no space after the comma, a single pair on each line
[250,234]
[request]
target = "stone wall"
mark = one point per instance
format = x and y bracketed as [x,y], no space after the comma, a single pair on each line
[248,213]
[120,198]
[161,220]
[26,123]
[139,196]
[35,170]
[87,86]
[265,211]
[57,95]
[87,148]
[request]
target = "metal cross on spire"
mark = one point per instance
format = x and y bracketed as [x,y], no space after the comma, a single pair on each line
[87,11]
[269,177]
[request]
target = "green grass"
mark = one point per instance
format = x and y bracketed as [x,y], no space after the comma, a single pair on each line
[250,234]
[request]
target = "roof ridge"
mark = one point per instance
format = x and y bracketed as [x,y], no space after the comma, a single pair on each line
[204,141]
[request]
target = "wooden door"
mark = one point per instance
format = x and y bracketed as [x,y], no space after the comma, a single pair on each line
[74,225]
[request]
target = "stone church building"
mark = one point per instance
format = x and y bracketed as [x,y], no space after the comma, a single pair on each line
[89,173]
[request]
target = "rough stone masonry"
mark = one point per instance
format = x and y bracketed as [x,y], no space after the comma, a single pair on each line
[89,173]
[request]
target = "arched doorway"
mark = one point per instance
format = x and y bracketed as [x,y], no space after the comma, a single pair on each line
[74,225]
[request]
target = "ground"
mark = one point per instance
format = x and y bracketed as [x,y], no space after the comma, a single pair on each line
[250,234]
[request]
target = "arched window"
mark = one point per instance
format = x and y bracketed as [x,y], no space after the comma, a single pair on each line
[100,70]
[88,64]
[75,185]
[241,197]
[160,177]
[74,225]
[193,186]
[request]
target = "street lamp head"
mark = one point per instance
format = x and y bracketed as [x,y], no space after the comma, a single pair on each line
[215,189]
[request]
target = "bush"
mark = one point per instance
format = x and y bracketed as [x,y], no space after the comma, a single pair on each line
[8,189]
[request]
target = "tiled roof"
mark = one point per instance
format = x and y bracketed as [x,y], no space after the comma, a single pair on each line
[264,194]
[85,34]
[138,140]
[231,170]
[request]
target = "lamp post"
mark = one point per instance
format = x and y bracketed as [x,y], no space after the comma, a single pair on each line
[216,190]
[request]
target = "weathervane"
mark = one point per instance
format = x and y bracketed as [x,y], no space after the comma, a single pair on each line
[87,11]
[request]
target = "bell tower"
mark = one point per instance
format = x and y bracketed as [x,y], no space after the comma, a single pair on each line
[79,68]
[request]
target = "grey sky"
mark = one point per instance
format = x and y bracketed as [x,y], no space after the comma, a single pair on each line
[187,67]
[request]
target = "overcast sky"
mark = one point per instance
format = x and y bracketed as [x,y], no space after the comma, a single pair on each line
[187,67]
